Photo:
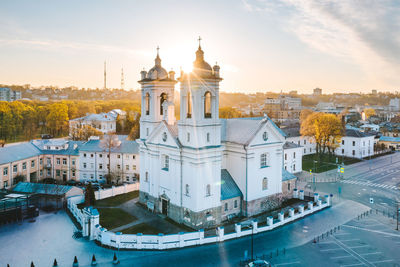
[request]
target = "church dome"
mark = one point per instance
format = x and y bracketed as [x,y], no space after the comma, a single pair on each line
[200,66]
[157,72]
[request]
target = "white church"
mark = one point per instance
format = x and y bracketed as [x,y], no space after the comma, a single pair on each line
[202,170]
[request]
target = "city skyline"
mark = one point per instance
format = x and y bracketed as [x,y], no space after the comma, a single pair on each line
[260,45]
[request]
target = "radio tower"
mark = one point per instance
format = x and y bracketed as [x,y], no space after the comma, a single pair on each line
[105,76]
[122,79]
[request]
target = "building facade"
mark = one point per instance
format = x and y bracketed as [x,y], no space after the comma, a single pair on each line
[356,144]
[104,122]
[202,169]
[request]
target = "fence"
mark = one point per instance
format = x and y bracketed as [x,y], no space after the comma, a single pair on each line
[114,191]
[89,220]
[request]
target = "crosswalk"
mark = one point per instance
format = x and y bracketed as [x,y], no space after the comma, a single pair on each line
[358,182]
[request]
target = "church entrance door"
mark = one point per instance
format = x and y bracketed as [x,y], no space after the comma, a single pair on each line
[164,206]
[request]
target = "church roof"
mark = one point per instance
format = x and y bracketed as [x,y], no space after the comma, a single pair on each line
[229,188]
[242,130]
[289,145]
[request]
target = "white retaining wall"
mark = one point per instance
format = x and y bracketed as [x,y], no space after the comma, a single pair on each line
[161,241]
[116,190]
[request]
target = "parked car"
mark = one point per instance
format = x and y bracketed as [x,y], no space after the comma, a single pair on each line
[259,263]
[46,136]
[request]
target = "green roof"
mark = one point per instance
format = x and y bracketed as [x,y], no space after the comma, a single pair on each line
[229,188]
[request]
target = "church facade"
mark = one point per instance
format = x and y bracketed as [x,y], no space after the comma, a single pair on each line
[202,170]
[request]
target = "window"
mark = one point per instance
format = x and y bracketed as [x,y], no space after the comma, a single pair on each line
[127,178]
[298,142]
[91,155]
[32,163]
[288,186]
[48,173]
[108,156]
[5,184]
[118,166]
[187,190]
[118,156]
[207,105]
[226,207]
[354,143]
[100,166]
[189,106]
[264,160]
[58,172]
[342,151]
[165,162]
[64,161]
[363,143]
[92,165]
[294,155]
[354,152]
[133,167]
[208,137]
[188,137]
[73,173]
[133,157]
[58,160]
[265,183]
[15,168]
[265,136]
[41,173]
[163,97]
[285,168]
[164,136]
[208,190]
[73,162]
[305,151]
[294,167]
[108,166]
[235,205]
[40,161]
[285,156]
[84,155]
[5,171]
[147,131]
[342,142]
[100,155]
[146,177]
[84,165]
[24,166]
[305,141]
[127,167]
[147,101]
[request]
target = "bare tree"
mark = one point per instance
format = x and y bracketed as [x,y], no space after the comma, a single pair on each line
[108,143]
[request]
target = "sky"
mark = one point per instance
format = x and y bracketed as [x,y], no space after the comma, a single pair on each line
[261,45]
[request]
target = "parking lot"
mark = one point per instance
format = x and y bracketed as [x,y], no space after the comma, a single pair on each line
[368,241]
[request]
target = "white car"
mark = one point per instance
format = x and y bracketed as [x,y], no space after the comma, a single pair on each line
[258,263]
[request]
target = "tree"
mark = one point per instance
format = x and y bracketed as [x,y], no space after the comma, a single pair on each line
[84,132]
[369,112]
[326,130]
[108,143]
[90,199]
[304,114]
[229,112]
[57,119]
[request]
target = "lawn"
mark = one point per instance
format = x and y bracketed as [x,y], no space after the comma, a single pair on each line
[327,163]
[111,218]
[117,200]
[143,228]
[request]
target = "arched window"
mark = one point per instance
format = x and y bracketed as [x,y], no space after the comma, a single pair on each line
[265,183]
[208,190]
[163,97]
[208,137]
[187,190]
[147,102]
[146,177]
[207,105]
[189,106]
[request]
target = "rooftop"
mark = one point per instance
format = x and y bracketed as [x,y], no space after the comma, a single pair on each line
[18,152]
[229,188]
[48,189]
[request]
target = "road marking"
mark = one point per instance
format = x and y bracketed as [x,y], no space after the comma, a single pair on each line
[352,252]
[287,263]
[370,230]
[362,246]
[326,242]
[381,261]
[330,249]
[340,257]
[348,240]
[340,234]
[355,264]
[371,253]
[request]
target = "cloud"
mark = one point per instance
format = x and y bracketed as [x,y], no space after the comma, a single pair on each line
[53,44]
[366,33]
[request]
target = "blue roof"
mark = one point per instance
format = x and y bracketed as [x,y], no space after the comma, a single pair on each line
[286,176]
[389,139]
[276,127]
[126,146]
[48,189]
[229,188]
[72,149]
[11,153]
